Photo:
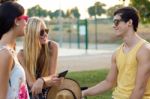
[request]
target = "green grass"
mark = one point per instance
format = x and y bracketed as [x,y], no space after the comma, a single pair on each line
[90,78]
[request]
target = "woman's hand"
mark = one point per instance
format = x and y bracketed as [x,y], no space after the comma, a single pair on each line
[37,86]
[54,81]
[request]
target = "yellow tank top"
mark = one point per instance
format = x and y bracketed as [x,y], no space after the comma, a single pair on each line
[127,68]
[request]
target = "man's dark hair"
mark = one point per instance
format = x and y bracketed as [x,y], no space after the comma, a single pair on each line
[2,1]
[128,13]
[9,11]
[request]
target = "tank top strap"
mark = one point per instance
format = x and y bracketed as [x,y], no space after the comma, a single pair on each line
[118,50]
[11,51]
[138,45]
[134,49]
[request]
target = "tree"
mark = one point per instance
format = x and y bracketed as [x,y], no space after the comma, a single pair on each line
[75,12]
[58,13]
[143,7]
[37,11]
[91,11]
[111,10]
[50,14]
[96,9]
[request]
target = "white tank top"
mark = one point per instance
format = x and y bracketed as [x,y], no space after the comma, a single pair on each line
[17,81]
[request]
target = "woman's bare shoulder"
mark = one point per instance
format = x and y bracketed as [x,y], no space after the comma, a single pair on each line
[6,59]
[53,44]
[5,54]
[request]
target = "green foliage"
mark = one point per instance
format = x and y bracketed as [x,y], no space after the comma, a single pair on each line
[58,13]
[96,9]
[143,7]
[90,78]
[111,10]
[50,14]
[75,12]
[91,11]
[37,11]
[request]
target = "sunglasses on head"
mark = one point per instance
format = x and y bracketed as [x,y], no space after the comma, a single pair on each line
[43,31]
[117,21]
[24,17]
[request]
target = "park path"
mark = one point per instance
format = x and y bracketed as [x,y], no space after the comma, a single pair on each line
[83,61]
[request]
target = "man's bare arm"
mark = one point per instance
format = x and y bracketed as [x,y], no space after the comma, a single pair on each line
[105,85]
[143,72]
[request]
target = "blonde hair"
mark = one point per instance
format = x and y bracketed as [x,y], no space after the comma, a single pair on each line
[32,48]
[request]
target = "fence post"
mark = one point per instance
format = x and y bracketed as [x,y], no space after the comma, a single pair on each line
[86,35]
[78,34]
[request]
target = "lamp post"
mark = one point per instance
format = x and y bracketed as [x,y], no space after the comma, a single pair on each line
[60,24]
[96,40]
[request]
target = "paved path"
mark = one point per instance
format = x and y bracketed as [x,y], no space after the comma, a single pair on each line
[85,61]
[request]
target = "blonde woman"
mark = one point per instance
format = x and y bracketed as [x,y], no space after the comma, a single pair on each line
[39,58]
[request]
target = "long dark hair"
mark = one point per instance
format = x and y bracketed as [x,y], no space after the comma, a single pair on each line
[9,11]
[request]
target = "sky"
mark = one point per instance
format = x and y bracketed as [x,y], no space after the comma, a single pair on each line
[68,4]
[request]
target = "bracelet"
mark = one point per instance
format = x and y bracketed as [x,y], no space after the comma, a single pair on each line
[42,80]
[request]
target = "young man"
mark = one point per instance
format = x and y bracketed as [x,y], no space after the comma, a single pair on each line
[130,68]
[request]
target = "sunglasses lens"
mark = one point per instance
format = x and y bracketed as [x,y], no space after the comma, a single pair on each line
[24,18]
[43,31]
[117,21]
[46,30]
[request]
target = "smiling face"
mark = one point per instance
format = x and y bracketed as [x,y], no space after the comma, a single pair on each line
[43,34]
[126,21]
[119,26]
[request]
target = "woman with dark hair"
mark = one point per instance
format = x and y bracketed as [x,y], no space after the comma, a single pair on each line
[12,75]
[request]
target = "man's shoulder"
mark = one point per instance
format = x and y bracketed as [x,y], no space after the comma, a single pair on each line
[146,45]
[145,49]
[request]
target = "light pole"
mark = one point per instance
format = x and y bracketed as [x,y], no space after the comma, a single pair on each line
[96,40]
[60,25]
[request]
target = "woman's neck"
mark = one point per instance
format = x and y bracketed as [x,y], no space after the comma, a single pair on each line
[8,39]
